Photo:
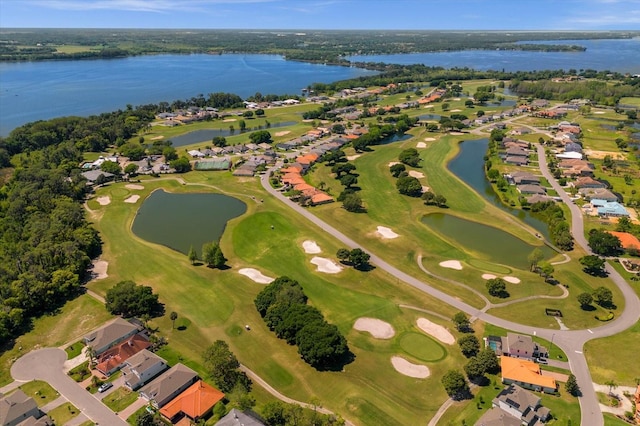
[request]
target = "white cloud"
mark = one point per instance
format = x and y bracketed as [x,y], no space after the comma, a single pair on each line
[158,6]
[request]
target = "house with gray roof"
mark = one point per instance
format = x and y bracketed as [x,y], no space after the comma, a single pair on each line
[92,175]
[240,418]
[110,335]
[524,178]
[598,193]
[521,346]
[522,404]
[142,368]
[531,189]
[516,160]
[169,385]
[16,408]
[497,417]
[42,421]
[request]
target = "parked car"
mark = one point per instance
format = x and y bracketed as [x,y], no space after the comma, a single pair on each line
[542,361]
[103,387]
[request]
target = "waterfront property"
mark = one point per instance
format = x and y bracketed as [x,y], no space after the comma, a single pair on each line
[526,374]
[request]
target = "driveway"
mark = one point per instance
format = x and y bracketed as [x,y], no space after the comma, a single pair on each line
[47,365]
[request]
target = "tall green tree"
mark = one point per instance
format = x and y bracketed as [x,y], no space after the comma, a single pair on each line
[132,300]
[455,385]
[223,367]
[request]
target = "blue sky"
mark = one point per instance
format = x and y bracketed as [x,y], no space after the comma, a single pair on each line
[325,14]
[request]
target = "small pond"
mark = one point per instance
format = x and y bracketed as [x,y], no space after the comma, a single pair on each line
[179,221]
[426,117]
[206,135]
[395,138]
[495,244]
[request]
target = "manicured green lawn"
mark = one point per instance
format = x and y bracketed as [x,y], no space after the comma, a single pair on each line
[422,347]
[40,391]
[120,399]
[62,414]
[132,419]
[604,357]
[74,349]
[81,372]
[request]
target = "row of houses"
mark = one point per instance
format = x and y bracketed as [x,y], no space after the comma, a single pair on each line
[292,178]
[529,186]
[229,150]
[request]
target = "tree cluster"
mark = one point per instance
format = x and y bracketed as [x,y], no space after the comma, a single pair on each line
[280,414]
[497,287]
[410,157]
[430,199]
[223,367]
[132,300]
[212,255]
[356,257]
[485,362]
[559,228]
[283,306]
[593,265]
[604,243]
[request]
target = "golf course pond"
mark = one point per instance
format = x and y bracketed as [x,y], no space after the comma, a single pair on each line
[180,221]
[492,243]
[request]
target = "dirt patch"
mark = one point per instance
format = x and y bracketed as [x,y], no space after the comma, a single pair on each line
[134,186]
[99,270]
[282,133]
[416,174]
[386,233]
[132,199]
[436,330]
[104,201]
[377,328]
[451,264]
[311,247]
[326,265]
[255,275]
[421,145]
[488,276]
[410,369]
[512,280]
[601,154]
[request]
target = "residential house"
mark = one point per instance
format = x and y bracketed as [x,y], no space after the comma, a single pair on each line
[598,193]
[113,358]
[538,198]
[92,176]
[609,209]
[523,178]
[497,417]
[240,418]
[569,155]
[521,346]
[526,374]
[109,335]
[628,241]
[518,161]
[520,131]
[588,182]
[142,367]
[194,403]
[573,147]
[42,421]
[16,408]
[169,385]
[636,397]
[531,189]
[522,404]
[576,167]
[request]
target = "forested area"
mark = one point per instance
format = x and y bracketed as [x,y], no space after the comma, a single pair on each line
[283,306]
[599,92]
[309,46]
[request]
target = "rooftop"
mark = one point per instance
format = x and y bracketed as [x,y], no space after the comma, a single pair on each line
[194,402]
[525,371]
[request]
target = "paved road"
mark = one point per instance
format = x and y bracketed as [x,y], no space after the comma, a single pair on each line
[46,365]
[571,342]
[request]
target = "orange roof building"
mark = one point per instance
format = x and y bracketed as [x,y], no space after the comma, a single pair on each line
[195,402]
[292,179]
[321,198]
[526,374]
[628,240]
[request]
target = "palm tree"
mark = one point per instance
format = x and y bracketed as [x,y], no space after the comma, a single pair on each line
[91,354]
[174,317]
[612,385]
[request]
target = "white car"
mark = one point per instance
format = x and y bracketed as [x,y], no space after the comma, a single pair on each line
[103,387]
[542,361]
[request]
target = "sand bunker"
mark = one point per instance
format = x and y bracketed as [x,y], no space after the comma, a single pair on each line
[353,157]
[416,174]
[456,110]
[512,280]
[377,328]
[425,189]
[157,138]
[456,99]
[133,186]
[456,133]
[311,247]
[255,275]
[429,139]
[488,276]
[436,330]
[229,120]
[99,271]
[421,145]
[103,201]
[132,199]
[429,106]
[598,112]
[386,233]
[393,163]
[407,368]
[452,264]
[283,133]
[326,265]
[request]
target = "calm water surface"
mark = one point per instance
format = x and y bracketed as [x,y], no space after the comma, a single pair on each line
[179,221]
[31,91]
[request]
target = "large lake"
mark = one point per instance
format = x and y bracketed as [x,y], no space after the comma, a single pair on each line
[31,91]
[614,55]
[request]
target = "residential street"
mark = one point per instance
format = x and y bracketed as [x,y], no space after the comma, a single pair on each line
[570,341]
[47,365]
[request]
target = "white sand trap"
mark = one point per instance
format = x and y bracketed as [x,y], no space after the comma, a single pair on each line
[456,133]
[410,369]
[326,265]
[429,106]
[456,110]
[283,133]
[103,201]
[229,120]
[311,247]
[134,186]
[598,112]
[99,271]
[386,233]
[353,157]
[377,328]
[488,276]
[512,280]
[416,174]
[421,145]
[456,99]
[452,264]
[157,138]
[436,330]
[429,139]
[425,189]
[393,163]
[255,275]
[132,199]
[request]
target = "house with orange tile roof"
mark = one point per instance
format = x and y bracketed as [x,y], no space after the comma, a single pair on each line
[637,401]
[321,198]
[526,374]
[113,359]
[194,403]
[292,179]
[629,241]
